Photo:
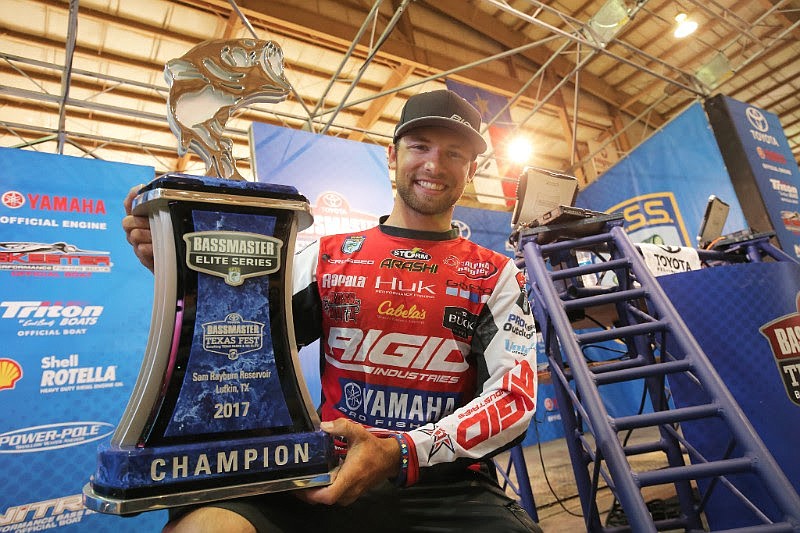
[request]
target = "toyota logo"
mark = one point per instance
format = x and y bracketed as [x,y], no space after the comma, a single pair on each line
[332,199]
[463,228]
[757,119]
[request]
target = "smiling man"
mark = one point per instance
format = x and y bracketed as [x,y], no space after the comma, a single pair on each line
[427,355]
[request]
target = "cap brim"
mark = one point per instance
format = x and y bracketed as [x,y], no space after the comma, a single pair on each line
[475,139]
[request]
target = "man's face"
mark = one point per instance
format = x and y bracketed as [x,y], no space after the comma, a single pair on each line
[432,166]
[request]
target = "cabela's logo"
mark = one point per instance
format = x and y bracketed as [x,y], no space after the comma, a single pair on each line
[233,336]
[783,335]
[232,255]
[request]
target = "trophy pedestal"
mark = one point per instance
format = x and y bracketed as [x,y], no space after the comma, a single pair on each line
[220,409]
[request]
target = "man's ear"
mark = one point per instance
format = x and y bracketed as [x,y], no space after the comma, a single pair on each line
[473,167]
[392,154]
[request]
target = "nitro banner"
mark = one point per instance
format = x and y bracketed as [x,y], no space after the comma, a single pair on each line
[762,167]
[663,186]
[346,182]
[75,308]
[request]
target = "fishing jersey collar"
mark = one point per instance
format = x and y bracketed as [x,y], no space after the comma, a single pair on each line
[394,231]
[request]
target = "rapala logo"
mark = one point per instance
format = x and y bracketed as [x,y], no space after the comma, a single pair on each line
[365,351]
[783,335]
[340,280]
[53,436]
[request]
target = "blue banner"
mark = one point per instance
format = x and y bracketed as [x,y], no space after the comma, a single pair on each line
[346,182]
[770,164]
[75,308]
[663,186]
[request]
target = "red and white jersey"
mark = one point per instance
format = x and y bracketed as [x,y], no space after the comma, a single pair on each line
[423,333]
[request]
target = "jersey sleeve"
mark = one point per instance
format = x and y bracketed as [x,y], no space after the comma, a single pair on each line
[504,350]
[306,307]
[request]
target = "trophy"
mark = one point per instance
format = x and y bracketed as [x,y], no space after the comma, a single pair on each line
[220,408]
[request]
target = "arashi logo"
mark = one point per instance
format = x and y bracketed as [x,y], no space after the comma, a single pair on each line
[13,199]
[10,373]
[783,335]
[53,436]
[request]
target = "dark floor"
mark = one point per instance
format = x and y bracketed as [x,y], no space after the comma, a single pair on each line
[558,504]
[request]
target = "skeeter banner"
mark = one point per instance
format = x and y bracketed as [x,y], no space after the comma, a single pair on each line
[662,187]
[346,182]
[74,314]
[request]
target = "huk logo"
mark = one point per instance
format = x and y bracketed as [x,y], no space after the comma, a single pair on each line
[783,335]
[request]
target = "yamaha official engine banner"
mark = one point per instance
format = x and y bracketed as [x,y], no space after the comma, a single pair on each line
[75,307]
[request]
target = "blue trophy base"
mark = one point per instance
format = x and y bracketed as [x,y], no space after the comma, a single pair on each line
[129,481]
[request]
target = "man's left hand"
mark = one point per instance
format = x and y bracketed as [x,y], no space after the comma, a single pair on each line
[370,460]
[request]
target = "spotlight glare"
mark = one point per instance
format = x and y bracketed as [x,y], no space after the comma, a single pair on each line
[685,27]
[519,150]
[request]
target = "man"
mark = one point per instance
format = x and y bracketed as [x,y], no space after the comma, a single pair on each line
[427,343]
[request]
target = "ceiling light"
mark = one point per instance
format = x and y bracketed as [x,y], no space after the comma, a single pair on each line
[519,150]
[686,26]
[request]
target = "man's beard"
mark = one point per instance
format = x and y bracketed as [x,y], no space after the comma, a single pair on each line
[424,205]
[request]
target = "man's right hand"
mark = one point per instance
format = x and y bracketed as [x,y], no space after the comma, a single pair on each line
[137,231]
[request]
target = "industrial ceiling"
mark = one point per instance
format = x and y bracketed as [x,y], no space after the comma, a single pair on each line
[586,80]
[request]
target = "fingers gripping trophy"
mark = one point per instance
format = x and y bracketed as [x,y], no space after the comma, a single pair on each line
[220,409]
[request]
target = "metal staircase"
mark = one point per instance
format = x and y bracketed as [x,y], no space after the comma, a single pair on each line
[659,345]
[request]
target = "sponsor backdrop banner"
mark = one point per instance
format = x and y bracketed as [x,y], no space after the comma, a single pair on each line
[757,355]
[75,308]
[762,167]
[663,186]
[346,182]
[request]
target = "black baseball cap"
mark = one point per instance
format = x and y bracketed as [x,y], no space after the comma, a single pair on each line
[442,108]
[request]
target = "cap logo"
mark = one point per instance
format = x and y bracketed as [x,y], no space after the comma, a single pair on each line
[462,120]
